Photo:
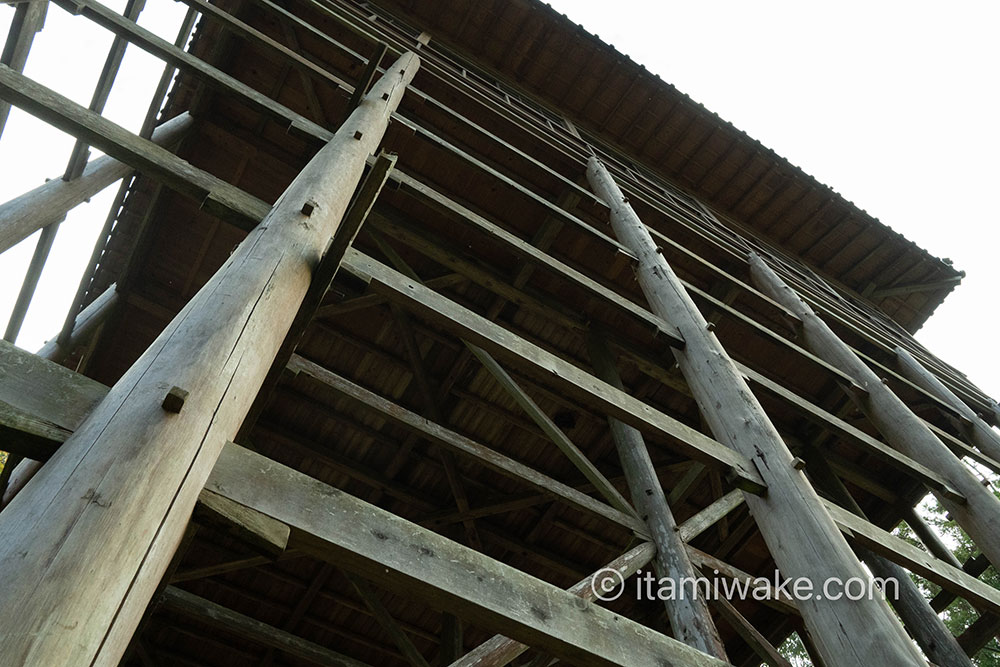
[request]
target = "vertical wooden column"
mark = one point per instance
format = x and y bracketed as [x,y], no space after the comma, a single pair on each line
[984,438]
[83,546]
[689,617]
[799,533]
[923,623]
[979,516]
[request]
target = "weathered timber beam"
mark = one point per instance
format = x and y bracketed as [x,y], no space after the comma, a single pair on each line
[979,515]
[915,559]
[250,629]
[979,634]
[404,557]
[545,367]
[261,532]
[371,69]
[29,17]
[553,432]
[48,203]
[30,282]
[790,516]
[499,650]
[388,623]
[87,322]
[216,196]
[922,622]
[79,156]
[463,446]
[210,360]
[323,276]
[978,431]
[855,436]
[754,639]
[690,620]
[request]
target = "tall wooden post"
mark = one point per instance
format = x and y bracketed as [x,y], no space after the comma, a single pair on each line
[83,546]
[799,533]
[979,516]
[689,617]
[920,619]
[984,438]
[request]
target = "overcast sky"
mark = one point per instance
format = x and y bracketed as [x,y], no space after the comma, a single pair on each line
[893,104]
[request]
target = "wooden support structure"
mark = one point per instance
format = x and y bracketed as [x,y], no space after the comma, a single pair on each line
[979,515]
[861,633]
[378,545]
[923,623]
[972,424]
[690,620]
[29,17]
[50,202]
[219,347]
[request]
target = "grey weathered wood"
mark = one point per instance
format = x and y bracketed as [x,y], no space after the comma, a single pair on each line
[216,196]
[80,154]
[403,557]
[87,322]
[754,639]
[29,17]
[800,535]
[22,216]
[250,629]
[553,432]
[388,623]
[547,368]
[30,282]
[978,431]
[701,521]
[499,650]
[929,537]
[261,532]
[979,515]
[690,620]
[371,69]
[922,622]
[915,559]
[101,481]
[464,446]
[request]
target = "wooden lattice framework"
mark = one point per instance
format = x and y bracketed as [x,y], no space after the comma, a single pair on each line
[359,373]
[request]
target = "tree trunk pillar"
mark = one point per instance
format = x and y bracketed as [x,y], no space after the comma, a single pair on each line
[801,536]
[979,516]
[83,546]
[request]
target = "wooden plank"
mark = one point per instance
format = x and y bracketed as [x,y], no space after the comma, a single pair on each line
[29,17]
[464,446]
[371,69]
[547,368]
[73,598]
[977,430]
[401,556]
[790,516]
[754,639]
[249,629]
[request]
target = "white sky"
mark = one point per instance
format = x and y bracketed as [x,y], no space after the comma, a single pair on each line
[894,104]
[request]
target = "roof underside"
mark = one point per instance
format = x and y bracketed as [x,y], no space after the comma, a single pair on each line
[607,94]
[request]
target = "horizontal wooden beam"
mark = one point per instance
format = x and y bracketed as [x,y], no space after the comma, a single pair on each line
[215,195]
[548,369]
[463,446]
[250,629]
[401,556]
[917,287]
